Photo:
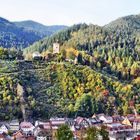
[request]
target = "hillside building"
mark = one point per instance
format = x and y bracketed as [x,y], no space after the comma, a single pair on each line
[56,48]
[36,56]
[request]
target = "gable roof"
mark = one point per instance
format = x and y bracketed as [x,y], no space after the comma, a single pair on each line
[94,121]
[18,134]
[126,122]
[4,126]
[26,125]
[79,120]
[106,119]
[57,121]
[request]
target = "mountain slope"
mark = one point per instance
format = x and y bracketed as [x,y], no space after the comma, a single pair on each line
[125,31]
[41,29]
[105,79]
[14,35]
[131,22]
[61,36]
[54,89]
[113,49]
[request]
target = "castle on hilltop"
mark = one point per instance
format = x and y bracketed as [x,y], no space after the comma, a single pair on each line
[56,48]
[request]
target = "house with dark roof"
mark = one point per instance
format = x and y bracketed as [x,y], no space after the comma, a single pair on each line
[117,118]
[81,122]
[43,130]
[94,121]
[120,131]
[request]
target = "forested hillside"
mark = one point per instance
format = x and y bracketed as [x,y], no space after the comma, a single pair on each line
[127,24]
[62,89]
[114,51]
[121,32]
[14,35]
[40,29]
[102,75]
[61,36]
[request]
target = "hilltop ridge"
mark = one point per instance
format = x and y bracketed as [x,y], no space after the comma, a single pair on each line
[23,34]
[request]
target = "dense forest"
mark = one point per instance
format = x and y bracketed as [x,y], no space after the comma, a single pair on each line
[40,29]
[105,78]
[63,89]
[23,34]
[112,50]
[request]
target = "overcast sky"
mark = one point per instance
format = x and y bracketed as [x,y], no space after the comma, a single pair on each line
[68,12]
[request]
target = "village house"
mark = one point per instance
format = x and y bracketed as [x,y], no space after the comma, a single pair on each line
[136,125]
[4,129]
[117,118]
[21,136]
[119,127]
[43,130]
[18,136]
[27,128]
[14,125]
[70,121]
[30,138]
[42,135]
[79,127]
[81,122]
[131,117]
[120,131]
[94,121]
[4,137]
[137,137]
[36,56]
[57,122]
[105,119]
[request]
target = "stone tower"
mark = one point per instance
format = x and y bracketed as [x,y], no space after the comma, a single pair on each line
[56,48]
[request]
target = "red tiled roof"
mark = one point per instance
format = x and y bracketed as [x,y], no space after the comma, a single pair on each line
[2,136]
[131,115]
[30,138]
[118,126]
[79,120]
[138,137]
[57,122]
[47,126]
[137,120]
[26,125]
[18,134]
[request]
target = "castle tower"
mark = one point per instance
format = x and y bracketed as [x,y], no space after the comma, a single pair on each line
[56,48]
